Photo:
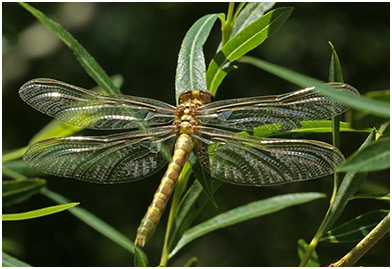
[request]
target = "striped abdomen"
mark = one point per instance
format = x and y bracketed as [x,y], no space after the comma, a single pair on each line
[182,149]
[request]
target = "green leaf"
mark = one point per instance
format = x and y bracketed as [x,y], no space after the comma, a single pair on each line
[335,70]
[250,13]
[349,186]
[54,128]
[192,262]
[203,177]
[246,40]
[243,213]
[20,167]
[9,261]
[15,191]
[190,207]
[373,157]
[138,259]
[375,196]
[374,107]
[38,213]
[302,247]
[86,60]
[94,222]
[355,229]
[191,67]
[321,126]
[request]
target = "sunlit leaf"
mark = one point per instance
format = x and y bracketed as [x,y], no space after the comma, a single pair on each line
[9,261]
[191,67]
[250,13]
[86,60]
[246,40]
[243,213]
[322,126]
[373,157]
[374,107]
[38,213]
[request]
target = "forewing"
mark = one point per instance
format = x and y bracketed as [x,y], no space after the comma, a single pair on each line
[104,159]
[249,160]
[94,110]
[286,110]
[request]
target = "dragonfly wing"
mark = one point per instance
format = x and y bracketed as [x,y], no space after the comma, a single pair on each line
[104,159]
[286,110]
[94,110]
[249,160]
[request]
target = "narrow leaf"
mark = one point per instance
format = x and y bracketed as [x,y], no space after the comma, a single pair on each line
[322,126]
[191,67]
[203,177]
[9,261]
[355,229]
[94,222]
[302,247]
[349,186]
[382,197]
[54,128]
[86,60]
[20,167]
[374,107]
[138,260]
[335,70]
[190,207]
[250,13]
[373,157]
[38,213]
[249,38]
[243,213]
[15,191]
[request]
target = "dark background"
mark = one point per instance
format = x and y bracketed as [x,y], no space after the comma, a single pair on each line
[141,41]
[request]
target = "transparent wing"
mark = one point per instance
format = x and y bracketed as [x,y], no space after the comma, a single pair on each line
[104,159]
[94,110]
[249,160]
[287,110]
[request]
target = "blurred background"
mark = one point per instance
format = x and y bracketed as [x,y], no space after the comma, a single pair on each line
[141,41]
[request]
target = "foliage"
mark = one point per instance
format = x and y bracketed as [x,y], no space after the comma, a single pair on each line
[239,37]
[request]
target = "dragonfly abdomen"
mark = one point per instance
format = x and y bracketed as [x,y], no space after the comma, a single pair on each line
[182,149]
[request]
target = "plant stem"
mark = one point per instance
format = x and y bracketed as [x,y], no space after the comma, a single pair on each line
[365,244]
[336,143]
[178,191]
[227,25]
[313,244]
[13,155]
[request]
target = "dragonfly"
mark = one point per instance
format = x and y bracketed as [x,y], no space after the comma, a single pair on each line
[158,133]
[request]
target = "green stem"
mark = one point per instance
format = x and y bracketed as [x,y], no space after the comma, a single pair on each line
[227,26]
[336,143]
[13,155]
[313,244]
[178,191]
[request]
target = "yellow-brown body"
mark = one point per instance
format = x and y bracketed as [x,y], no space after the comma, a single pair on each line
[184,125]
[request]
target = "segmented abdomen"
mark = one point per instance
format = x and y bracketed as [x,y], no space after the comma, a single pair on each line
[182,149]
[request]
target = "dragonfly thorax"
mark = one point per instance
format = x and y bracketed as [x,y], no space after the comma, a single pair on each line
[186,113]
